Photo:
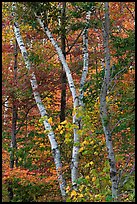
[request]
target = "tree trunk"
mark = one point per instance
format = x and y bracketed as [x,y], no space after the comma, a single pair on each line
[6,104]
[63,74]
[85,58]
[76,101]
[13,157]
[78,120]
[43,112]
[103,105]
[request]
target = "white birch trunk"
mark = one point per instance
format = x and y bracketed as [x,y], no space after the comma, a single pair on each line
[78,121]
[34,85]
[85,59]
[103,105]
[76,101]
[62,59]
[74,162]
[6,104]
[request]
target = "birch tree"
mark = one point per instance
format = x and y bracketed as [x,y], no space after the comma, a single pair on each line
[14,115]
[77,99]
[6,105]
[41,107]
[103,104]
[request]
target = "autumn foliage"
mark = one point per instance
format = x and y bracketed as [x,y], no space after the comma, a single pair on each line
[34,178]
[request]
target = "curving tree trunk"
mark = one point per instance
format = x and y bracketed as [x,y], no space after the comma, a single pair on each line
[41,107]
[77,99]
[103,105]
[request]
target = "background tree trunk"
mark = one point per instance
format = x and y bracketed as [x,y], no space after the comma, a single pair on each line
[63,74]
[103,105]
[77,100]
[42,109]
[14,115]
[13,157]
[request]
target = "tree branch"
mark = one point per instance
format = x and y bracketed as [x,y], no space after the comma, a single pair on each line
[24,118]
[74,41]
[129,11]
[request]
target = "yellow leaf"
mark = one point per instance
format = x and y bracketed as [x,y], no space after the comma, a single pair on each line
[42,145]
[91,162]
[40,124]
[46,131]
[64,122]
[59,127]
[87,177]
[81,149]
[92,142]
[61,131]
[87,165]
[85,142]
[73,193]
[50,120]
[95,153]
[81,195]
[93,179]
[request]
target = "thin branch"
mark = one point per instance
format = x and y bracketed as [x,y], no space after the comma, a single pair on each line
[129,11]
[128,176]
[124,168]
[74,42]
[115,81]
[132,170]
[24,118]
[117,74]
[6,106]
[117,124]
[120,122]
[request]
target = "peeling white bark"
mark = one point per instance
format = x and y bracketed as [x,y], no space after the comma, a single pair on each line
[74,163]
[85,59]
[78,121]
[6,105]
[62,59]
[77,100]
[42,109]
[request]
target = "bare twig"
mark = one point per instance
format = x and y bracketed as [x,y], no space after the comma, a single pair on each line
[132,170]
[123,170]
[24,118]
[117,124]
[74,42]
[129,11]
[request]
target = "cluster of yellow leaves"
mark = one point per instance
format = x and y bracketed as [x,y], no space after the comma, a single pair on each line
[47,101]
[61,127]
[90,163]
[85,194]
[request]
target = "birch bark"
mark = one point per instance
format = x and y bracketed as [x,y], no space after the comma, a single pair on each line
[103,105]
[6,105]
[78,120]
[77,99]
[42,109]
[13,158]
[85,58]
